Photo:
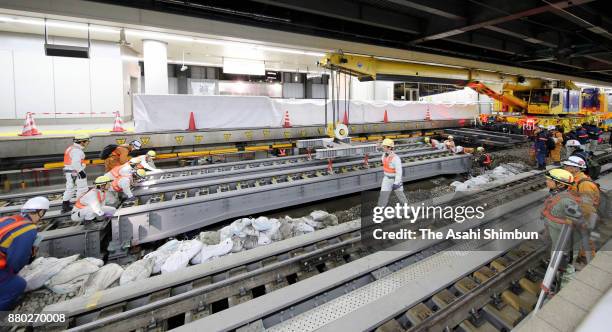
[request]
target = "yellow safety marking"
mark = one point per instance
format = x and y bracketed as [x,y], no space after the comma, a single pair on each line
[53,165]
[376,127]
[179,139]
[266,132]
[287,134]
[286,145]
[145,140]
[353,128]
[391,136]
[193,154]
[321,130]
[97,161]
[403,136]
[120,141]
[166,156]
[303,132]
[94,300]
[374,138]
[198,139]
[223,151]
[364,128]
[257,148]
[248,134]
[227,136]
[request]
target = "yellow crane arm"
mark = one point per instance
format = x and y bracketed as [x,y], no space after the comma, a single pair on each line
[507,99]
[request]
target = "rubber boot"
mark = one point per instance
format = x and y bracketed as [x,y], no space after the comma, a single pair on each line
[66,207]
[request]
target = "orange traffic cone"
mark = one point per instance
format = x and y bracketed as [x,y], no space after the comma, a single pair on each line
[386,118]
[286,122]
[427,115]
[192,125]
[29,127]
[118,125]
[345,120]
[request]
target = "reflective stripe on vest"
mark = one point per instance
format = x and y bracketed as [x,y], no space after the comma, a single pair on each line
[80,205]
[68,158]
[19,221]
[387,164]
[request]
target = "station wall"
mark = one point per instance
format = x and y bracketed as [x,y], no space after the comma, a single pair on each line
[56,87]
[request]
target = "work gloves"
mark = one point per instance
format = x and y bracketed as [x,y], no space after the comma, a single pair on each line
[82,175]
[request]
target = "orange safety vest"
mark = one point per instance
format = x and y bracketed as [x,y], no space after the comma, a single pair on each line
[551,202]
[115,171]
[387,164]
[67,158]
[80,205]
[19,221]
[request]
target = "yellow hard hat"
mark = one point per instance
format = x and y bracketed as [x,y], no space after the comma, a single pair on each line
[450,137]
[480,149]
[388,142]
[152,154]
[102,180]
[561,176]
[426,139]
[81,137]
[141,173]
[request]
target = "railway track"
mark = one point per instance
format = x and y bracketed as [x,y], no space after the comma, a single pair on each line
[205,290]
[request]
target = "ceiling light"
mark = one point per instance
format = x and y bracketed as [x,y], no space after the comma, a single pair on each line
[59,24]
[245,67]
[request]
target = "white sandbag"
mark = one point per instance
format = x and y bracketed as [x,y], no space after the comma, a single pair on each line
[180,258]
[209,252]
[313,223]
[70,272]
[301,227]
[286,229]
[138,270]
[72,286]
[234,229]
[263,239]
[262,224]
[238,243]
[273,230]
[210,237]
[250,231]
[95,261]
[102,278]
[42,269]
[318,215]
[162,253]
[250,242]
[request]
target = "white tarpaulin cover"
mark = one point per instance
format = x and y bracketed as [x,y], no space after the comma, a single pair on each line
[171,112]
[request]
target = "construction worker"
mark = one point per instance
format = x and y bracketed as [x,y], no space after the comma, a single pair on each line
[392,178]
[555,154]
[19,242]
[541,149]
[449,143]
[434,143]
[583,136]
[124,184]
[148,161]
[120,155]
[126,169]
[594,132]
[483,159]
[74,170]
[92,205]
[562,208]
[583,185]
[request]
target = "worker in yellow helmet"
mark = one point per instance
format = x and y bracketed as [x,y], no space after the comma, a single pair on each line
[392,178]
[434,143]
[123,186]
[92,205]
[74,170]
[561,208]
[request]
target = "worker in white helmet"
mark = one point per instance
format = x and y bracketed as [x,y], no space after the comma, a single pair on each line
[92,205]
[74,170]
[123,186]
[449,143]
[19,241]
[392,177]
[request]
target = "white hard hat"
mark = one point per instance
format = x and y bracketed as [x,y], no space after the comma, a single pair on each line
[36,203]
[541,126]
[480,149]
[572,142]
[136,144]
[450,137]
[576,162]
[551,127]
